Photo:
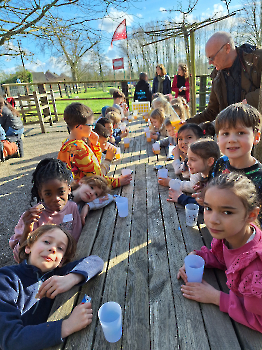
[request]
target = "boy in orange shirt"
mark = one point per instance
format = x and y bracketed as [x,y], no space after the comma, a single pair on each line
[84,158]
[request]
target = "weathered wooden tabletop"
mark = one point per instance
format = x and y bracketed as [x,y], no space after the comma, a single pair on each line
[142,254]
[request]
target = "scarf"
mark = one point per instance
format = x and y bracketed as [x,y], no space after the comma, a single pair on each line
[160,83]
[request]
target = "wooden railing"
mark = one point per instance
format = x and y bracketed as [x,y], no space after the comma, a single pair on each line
[67,89]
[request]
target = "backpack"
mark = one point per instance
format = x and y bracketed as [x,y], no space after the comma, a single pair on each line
[9,148]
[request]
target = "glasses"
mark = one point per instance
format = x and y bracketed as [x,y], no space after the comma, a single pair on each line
[213,58]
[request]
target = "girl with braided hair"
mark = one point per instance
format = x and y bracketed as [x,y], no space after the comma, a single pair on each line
[51,188]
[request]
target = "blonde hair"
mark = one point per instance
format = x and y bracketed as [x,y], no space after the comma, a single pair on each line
[184,68]
[33,237]
[181,102]
[96,181]
[158,114]
[161,102]
[114,117]
[163,70]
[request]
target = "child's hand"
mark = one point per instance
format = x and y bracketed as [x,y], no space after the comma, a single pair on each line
[125,179]
[32,215]
[173,195]
[182,271]
[111,151]
[164,181]
[176,152]
[58,284]
[154,136]
[201,292]
[93,138]
[199,194]
[80,318]
[124,133]
[84,213]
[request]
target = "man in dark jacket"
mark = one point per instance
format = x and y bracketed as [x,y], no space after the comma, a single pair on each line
[236,76]
[143,90]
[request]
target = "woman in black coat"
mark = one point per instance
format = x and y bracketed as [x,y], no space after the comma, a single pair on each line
[161,82]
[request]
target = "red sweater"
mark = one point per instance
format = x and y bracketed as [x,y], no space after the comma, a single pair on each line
[176,89]
[243,268]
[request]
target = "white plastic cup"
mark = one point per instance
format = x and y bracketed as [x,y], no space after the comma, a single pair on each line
[135,112]
[175,184]
[148,137]
[170,150]
[130,117]
[126,142]
[162,173]
[118,153]
[110,316]
[122,206]
[191,214]
[122,126]
[194,265]
[126,172]
[156,147]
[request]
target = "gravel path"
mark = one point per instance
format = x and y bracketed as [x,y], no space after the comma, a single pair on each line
[16,176]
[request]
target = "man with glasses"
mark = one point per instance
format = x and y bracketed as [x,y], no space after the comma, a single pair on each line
[235,78]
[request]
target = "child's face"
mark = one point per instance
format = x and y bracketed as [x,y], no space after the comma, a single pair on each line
[47,252]
[237,142]
[225,215]
[155,122]
[171,131]
[196,164]
[103,142]
[109,127]
[185,138]
[54,193]
[88,193]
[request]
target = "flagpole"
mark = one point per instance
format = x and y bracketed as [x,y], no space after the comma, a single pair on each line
[129,61]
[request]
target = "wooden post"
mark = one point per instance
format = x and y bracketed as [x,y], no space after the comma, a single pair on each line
[7,91]
[193,73]
[258,147]
[124,86]
[52,95]
[21,107]
[44,100]
[60,90]
[202,93]
[39,113]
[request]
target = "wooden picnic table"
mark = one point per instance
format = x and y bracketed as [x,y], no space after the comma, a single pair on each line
[142,254]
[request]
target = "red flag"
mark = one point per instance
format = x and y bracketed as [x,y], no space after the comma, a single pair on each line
[120,32]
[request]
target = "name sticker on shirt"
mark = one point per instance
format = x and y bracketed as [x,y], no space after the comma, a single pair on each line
[68,217]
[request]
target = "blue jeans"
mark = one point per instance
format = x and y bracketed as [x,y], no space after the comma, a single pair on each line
[13,132]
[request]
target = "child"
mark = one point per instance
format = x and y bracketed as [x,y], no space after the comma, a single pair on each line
[202,156]
[238,129]
[187,134]
[108,124]
[208,129]
[51,187]
[119,98]
[27,290]
[81,159]
[158,129]
[117,133]
[108,150]
[143,90]
[171,139]
[231,208]
[161,102]
[91,193]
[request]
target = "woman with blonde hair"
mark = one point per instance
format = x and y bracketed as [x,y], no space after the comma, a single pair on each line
[161,82]
[181,82]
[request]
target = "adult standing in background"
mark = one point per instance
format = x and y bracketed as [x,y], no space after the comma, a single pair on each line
[235,78]
[181,82]
[161,82]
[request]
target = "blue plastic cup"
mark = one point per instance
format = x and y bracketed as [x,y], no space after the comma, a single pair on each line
[194,265]
[122,206]
[110,316]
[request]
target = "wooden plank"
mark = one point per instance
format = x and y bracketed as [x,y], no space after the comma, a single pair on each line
[40,116]
[163,330]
